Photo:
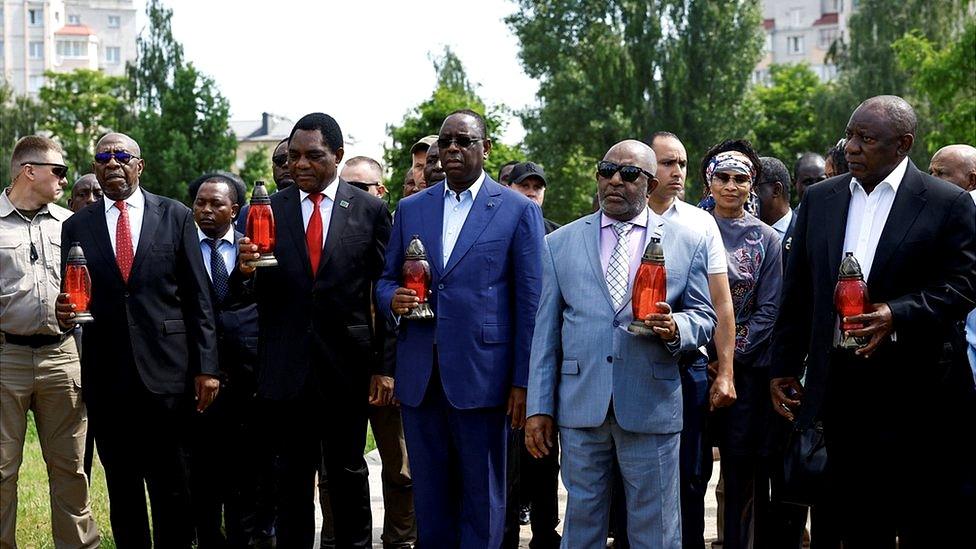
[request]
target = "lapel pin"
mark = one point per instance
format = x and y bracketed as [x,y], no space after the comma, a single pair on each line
[789,243]
[343,204]
[490,204]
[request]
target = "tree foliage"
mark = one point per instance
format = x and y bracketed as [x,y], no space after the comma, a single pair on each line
[453,91]
[610,70]
[79,107]
[257,167]
[19,116]
[944,81]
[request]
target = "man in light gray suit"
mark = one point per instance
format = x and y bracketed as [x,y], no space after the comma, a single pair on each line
[612,393]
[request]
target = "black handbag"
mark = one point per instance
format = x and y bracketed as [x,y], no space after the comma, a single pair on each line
[804,466]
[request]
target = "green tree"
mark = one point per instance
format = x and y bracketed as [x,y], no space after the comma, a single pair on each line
[182,121]
[944,80]
[453,91]
[610,70]
[79,107]
[19,116]
[257,167]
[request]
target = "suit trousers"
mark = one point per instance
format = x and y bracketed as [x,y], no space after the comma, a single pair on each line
[533,482]
[457,458]
[649,469]
[306,431]
[45,381]
[399,525]
[142,441]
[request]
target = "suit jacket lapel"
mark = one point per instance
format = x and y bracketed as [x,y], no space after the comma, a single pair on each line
[591,241]
[291,223]
[99,229]
[433,225]
[341,208]
[484,208]
[150,222]
[908,203]
[835,223]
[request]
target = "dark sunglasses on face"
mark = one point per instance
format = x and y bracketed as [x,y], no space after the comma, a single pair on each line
[363,185]
[462,141]
[121,157]
[59,170]
[280,160]
[627,173]
[740,179]
[811,180]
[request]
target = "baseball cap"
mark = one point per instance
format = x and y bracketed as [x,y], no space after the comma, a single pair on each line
[525,170]
[424,143]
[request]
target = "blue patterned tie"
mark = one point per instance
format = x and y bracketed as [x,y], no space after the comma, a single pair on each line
[218,271]
[618,270]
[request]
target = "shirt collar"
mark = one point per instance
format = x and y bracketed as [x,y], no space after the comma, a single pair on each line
[329,191]
[640,219]
[135,200]
[784,222]
[228,236]
[7,207]
[893,179]
[973,194]
[473,189]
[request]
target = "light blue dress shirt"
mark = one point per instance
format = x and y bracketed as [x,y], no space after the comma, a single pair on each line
[456,210]
[227,250]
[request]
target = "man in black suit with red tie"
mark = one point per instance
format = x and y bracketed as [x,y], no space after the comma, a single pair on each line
[151,348]
[895,412]
[318,350]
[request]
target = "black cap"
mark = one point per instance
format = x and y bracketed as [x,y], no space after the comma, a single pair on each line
[524,170]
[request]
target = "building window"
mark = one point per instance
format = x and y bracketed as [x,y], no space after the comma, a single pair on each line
[35,83]
[794,44]
[72,49]
[113,55]
[114,21]
[74,19]
[794,16]
[769,41]
[35,18]
[827,38]
[36,50]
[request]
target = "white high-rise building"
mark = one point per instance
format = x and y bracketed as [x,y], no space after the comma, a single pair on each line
[64,35]
[802,31]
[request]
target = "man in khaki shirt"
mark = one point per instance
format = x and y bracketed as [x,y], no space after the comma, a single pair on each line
[39,367]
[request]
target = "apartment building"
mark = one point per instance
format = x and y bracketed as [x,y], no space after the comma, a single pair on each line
[64,35]
[802,31]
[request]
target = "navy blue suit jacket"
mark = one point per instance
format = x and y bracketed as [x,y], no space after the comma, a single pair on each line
[484,299]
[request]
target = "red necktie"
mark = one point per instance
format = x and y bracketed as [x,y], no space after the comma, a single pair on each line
[123,241]
[313,234]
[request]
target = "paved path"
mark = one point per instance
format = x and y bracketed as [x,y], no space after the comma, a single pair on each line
[376,497]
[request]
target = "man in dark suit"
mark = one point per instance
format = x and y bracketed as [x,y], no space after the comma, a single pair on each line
[891,410]
[152,336]
[460,373]
[226,468]
[317,347]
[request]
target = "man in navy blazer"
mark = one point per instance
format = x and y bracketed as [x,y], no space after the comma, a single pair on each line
[459,374]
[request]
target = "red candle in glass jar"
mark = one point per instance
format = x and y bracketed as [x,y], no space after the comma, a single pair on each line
[850,299]
[77,283]
[650,287]
[416,277]
[261,226]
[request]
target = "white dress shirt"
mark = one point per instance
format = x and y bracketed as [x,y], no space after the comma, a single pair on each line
[867,215]
[325,207]
[456,210]
[136,206]
[783,225]
[700,221]
[226,247]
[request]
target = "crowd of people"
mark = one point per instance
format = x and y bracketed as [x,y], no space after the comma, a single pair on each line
[226,390]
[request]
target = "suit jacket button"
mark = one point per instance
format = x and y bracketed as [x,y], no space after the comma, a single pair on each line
[126,294]
[440,286]
[610,359]
[616,323]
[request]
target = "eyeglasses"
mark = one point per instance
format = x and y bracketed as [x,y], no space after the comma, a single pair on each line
[121,157]
[280,160]
[627,173]
[462,141]
[740,179]
[59,170]
[363,185]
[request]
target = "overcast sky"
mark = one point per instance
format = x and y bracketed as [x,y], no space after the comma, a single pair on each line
[365,62]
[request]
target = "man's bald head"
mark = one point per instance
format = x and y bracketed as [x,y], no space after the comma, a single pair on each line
[122,139]
[955,164]
[896,111]
[641,152]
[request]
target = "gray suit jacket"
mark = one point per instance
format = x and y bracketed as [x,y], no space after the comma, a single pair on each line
[582,353]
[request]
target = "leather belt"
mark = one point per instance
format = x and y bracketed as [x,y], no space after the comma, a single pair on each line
[36,341]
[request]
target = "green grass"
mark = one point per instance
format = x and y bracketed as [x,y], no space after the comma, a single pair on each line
[34,501]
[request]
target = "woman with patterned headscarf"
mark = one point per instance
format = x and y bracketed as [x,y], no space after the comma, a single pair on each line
[755,278]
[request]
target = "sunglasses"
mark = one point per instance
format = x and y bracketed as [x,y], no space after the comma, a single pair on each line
[462,141]
[280,160]
[740,179]
[363,185]
[121,157]
[627,173]
[59,170]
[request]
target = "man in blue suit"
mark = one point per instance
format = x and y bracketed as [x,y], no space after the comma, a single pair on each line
[613,393]
[458,374]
